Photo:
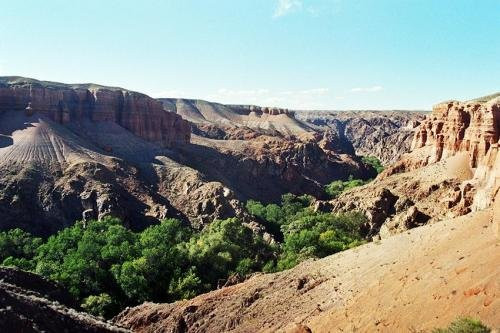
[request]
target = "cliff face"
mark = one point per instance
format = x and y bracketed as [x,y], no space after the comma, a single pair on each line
[461,128]
[453,127]
[138,113]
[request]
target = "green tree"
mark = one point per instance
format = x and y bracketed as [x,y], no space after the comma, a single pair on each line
[17,248]
[161,253]
[374,162]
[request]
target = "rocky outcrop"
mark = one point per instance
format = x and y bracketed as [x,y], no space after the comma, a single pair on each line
[471,128]
[266,167]
[263,109]
[453,169]
[65,104]
[30,303]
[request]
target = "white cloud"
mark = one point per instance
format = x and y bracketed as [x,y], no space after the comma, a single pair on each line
[287,6]
[316,91]
[367,89]
[264,97]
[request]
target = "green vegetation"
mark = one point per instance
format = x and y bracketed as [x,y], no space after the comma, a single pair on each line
[464,325]
[305,233]
[17,248]
[106,266]
[335,188]
[374,162]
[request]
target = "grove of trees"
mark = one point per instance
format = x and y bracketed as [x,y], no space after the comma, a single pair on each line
[106,266]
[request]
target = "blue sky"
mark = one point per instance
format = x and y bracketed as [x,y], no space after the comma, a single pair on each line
[307,54]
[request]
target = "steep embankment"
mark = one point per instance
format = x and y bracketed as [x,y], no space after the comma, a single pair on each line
[30,303]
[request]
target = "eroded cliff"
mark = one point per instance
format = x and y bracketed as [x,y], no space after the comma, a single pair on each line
[65,104]
[471,128]
[452,169]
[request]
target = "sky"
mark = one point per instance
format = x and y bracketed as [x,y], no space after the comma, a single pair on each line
[298,54]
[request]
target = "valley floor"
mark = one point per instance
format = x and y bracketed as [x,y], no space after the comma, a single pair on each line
[415,281]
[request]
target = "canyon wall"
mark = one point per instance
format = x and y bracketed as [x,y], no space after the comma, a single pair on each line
[138,113]
[455,128]
[383,134]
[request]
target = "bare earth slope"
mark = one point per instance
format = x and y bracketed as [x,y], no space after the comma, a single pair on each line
[420,279]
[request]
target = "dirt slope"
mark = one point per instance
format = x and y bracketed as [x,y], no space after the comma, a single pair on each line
[30,303]
[420,279]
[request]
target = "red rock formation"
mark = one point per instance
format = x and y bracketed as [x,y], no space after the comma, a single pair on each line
[456,127]
[453,127]
[136,112]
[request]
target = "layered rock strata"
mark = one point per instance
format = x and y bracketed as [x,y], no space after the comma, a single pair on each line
[471,128]
[65,104]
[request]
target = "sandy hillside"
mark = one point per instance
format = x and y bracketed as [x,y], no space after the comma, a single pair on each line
[418,280]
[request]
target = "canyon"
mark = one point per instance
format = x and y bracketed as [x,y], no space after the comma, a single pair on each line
[83,151]
[449,185]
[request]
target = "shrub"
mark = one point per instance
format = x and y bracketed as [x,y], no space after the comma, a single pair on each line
[464,325]
[99,305]
[17,248]
[374,162]
[335,188]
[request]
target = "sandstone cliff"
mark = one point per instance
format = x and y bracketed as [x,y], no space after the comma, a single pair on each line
[471,128]
[65,104]
[453,169]
[69,152]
